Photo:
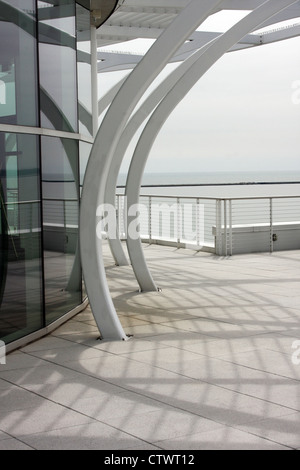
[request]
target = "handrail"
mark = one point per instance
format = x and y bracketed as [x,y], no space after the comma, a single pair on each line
[215,224]
[211,198]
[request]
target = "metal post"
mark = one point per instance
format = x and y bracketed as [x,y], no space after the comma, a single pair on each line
[118,216]
[271,227]
[178,223]
[198,241]
[94,76]
[225,228]
[230,228]
[218,227]
[150,220]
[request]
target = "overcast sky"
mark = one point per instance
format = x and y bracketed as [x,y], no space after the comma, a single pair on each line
[243,115]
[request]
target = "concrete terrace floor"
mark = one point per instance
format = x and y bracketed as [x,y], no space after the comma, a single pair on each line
[209,366]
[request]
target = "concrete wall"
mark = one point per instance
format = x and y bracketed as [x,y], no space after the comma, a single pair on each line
[257,238]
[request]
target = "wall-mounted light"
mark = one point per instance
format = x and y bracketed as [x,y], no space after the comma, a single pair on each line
[96,16]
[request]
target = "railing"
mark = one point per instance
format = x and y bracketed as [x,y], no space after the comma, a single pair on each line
[61,212]
[223,226]
[22,221]
[24,216]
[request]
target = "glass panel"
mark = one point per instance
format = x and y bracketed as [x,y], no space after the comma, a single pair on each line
[61,212]
[18,69]
[84,153]
[85,150]
[84,70]
[57,58]
[21,306]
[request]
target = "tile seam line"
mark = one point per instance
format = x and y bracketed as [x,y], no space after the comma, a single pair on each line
[16,438]
[69,409]
[126,390]
[260,370]
[165,403]
[288,447]
[218,386]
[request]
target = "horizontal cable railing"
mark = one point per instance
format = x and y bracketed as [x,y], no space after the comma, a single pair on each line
[222,226]
[25,216]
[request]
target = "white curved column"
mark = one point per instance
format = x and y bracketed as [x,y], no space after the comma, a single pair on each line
[132,127]
[205,61]
[102,154]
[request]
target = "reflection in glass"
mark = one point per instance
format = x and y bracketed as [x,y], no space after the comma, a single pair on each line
[18,63]
[84,153]
[84,70]
[21,310]
[60,175]
[57,58]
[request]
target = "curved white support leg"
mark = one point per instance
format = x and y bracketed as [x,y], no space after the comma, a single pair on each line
[102,154]
[132,127]
[204,62]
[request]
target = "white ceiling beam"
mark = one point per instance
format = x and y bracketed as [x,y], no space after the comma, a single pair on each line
[289,14]
[128,32]
[112,61]
[144,5]
[281,34]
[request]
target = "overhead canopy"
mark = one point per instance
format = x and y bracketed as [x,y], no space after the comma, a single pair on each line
[147,19]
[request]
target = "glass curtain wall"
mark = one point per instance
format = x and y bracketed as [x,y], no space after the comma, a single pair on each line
[18,63]
[21,299]
[58,64]
[45,81]
[84,71]
[60,226]
[60,157]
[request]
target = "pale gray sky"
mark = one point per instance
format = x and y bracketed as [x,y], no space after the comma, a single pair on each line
[241,116]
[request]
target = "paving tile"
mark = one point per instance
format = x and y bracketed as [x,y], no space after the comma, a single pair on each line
[209,365]
[93,436]
[216,328]
[170,355]
[213,402]
[284,430]
[74,326]
[224,438]
[4,436]
[123,372]
[148,330]
[106,408]
[46,417]
[68,392]
[72,353]
[48,342]
[180,338]
[166,423]
[48,373]
[4,384]
[16,398]
[231,347]
[127,347]
[18,360]
[266,360]
[14,444]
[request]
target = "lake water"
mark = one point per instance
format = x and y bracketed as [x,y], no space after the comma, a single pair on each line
[221,184]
